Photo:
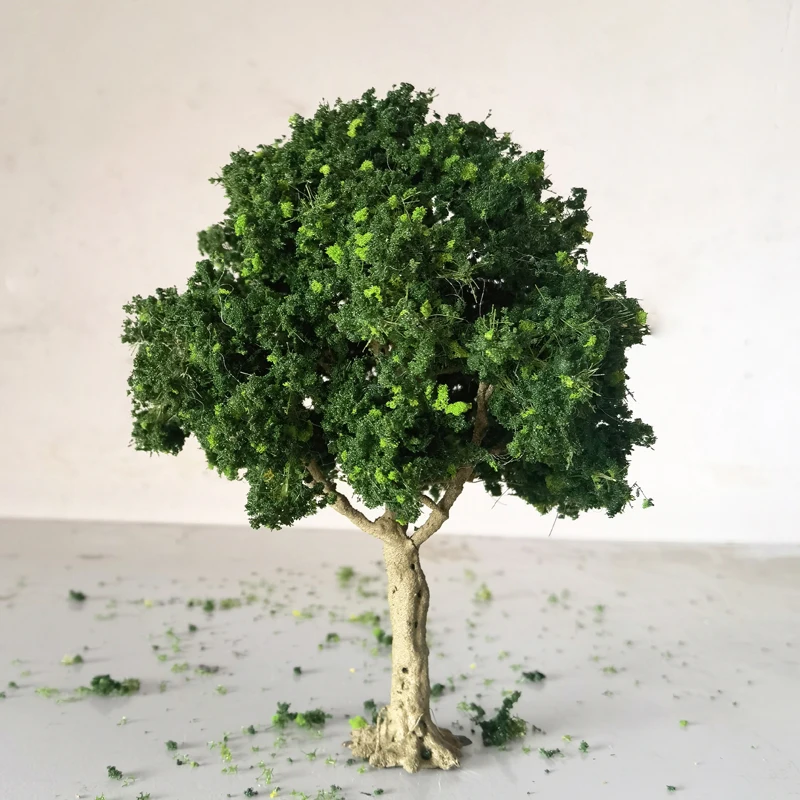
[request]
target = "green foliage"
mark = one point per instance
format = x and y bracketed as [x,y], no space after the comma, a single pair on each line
[549,753]
[366,618]
[371,707]
[356,723]
[308,719]
[345,575]
[106,686]
[171,744]
[383,638]
[313,718]
[457,409]
[534,677]
[283,716]
[78,597]
[334,793]
[483,594]
[503,727]
[369,272]
[114,773]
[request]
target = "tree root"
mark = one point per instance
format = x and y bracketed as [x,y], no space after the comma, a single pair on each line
[410,744]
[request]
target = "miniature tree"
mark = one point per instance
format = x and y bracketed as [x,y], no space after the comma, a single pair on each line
[397,301]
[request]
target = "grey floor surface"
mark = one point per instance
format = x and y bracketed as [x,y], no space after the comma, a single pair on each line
[678,666]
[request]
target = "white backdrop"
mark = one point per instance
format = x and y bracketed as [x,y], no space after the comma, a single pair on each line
[681,118]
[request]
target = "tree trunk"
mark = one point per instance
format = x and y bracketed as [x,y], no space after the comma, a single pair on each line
[405,735]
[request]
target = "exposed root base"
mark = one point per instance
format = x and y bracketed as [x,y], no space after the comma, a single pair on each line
[412,745]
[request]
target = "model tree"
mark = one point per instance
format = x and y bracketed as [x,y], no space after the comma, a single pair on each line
[399,302]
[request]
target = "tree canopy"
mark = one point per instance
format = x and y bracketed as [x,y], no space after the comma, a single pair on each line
[399,301]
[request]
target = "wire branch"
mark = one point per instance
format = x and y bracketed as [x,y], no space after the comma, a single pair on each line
[440,511]
[386,533]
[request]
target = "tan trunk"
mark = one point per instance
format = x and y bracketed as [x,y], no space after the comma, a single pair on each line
[405,735]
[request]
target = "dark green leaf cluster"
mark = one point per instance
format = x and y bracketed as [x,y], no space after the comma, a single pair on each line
[371,707]
[534,677]
[370,271]
[383,638]
[106,686]
[503,727]
[313,718]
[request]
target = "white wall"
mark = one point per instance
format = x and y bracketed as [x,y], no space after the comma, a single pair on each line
[681,119]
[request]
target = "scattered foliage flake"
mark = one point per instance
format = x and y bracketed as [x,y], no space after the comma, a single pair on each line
[503,727]
[549,753]
[534,677]
[483,594]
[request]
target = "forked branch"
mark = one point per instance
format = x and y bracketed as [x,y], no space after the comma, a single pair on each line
[377,528]
[441,511]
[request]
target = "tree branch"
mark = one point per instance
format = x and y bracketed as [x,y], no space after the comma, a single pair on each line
[374,528]
[429,502]
[482,414]
[441,511]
